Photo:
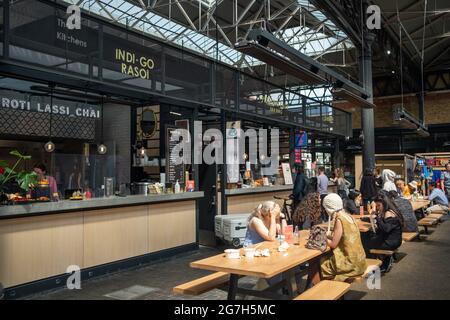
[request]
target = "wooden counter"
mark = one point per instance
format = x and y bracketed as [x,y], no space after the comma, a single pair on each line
[42,246]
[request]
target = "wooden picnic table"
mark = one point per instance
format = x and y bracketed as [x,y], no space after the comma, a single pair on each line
[284,263]
[420,204]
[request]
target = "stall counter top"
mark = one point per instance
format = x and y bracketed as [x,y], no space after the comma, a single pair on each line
[23,210]
[241,191]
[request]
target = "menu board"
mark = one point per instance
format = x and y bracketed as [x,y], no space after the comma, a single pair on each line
[287,174]
[174,171]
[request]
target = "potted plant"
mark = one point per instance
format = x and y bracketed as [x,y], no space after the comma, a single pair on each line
[24,179]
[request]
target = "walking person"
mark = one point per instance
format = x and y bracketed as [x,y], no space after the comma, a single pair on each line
[300,185]
[368,186]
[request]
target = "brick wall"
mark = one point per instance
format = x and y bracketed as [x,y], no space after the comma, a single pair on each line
[437,110]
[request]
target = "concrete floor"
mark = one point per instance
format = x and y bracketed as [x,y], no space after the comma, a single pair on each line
[422,272]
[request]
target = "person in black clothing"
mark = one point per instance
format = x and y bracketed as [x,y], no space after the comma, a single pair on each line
[406,209]
[352,202]
[300,185]
[389,222]
[378,179]
[368,186]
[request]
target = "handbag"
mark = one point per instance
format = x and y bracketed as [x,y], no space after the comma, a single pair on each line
[317,239]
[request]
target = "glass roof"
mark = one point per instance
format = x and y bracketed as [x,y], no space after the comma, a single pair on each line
[313,42]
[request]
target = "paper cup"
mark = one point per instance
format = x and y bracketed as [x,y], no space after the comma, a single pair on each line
[232,253]
[249,252]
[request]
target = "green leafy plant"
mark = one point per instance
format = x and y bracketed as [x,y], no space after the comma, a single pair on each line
[25,179]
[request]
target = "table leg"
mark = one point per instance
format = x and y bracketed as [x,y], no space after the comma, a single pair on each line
[233,285]
[314,273]
[291,283]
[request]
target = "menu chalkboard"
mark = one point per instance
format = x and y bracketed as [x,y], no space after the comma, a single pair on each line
[174,171]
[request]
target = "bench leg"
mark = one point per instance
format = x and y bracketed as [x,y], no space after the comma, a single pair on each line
[426,229]
[232,287]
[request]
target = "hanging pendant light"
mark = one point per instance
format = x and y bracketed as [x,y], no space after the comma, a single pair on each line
[102,148]
[50,146]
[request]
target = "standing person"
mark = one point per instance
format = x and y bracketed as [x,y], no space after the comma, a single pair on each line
[445,180]
[322,183]
[41,171]
[343,184]
[378,179]
[368,186]
[75,178]
[388,180]
[348,258]
[322,187]
[300,185]
[440,201]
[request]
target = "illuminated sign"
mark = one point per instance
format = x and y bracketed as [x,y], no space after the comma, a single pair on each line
[133,65]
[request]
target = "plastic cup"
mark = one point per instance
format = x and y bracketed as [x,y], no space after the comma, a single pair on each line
[249,252]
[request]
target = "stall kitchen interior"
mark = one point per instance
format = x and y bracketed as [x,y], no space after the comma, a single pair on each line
[224,150]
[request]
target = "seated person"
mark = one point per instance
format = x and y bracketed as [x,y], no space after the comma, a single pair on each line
[406,209]
[264,224]
[348,259]
[439,199]
[308,211]
[402,188]
[352,202]
[388,227]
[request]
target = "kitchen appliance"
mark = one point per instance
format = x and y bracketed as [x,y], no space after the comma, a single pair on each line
[231,228]
[141,188]
[109,186]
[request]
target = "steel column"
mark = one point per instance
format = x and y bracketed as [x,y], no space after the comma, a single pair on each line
[367,115]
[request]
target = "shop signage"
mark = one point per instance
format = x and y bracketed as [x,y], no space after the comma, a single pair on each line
[133,65]
[274,106]
[42,104]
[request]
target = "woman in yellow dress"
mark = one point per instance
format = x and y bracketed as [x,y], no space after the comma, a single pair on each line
[348,258]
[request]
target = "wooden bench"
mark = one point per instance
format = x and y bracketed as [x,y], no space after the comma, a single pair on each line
[409,236]
[202,285]
[383,252]
[427,222]
[325,290]
[436,216]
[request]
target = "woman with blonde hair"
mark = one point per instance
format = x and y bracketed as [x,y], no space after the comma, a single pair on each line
[343,184]
[264,223]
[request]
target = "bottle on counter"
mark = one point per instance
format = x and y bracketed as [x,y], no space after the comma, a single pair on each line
[177,187]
